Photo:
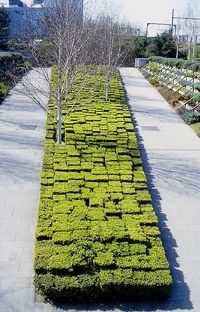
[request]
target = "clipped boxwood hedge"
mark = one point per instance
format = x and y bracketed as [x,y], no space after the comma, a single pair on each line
[97,236]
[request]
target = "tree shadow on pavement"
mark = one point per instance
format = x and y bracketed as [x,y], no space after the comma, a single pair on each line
[180,294]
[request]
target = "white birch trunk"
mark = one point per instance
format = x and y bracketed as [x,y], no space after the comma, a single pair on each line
[59,127]
[107,83]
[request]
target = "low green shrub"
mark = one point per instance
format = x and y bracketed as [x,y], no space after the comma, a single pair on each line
[154,81]
[191,117]
[191,74]
[153,67]
[3,91]
[97,236]
[176,98]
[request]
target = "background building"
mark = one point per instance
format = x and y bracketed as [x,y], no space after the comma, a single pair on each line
[25,21]
[25,16]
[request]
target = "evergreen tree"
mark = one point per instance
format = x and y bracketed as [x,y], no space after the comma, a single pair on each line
[161,45]
[4,26]
[165,44]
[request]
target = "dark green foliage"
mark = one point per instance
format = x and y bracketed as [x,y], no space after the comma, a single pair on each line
[143,46]
[120,284]
[3,91]
[11,65]
[97,235]
[4,27]
[162,45]
[191,117]
[165,45]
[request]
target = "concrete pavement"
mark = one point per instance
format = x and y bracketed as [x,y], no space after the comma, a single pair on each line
[22,129]
[171,156]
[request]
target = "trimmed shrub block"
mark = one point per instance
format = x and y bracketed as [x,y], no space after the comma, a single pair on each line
[97,236]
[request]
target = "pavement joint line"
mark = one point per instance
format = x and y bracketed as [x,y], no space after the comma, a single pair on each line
[168,149]
[14,190]
[22,148]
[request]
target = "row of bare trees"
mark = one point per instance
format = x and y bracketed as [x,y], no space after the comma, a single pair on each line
[188,25]
[73,46]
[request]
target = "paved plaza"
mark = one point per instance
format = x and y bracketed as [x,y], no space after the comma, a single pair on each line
[171,155]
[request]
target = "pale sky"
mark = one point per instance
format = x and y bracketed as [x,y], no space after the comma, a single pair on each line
[144,11]
[141,12]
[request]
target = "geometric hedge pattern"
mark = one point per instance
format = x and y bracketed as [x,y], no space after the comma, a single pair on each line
[97,236]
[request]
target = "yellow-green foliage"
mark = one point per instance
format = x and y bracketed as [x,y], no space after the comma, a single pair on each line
[153,67]
[97,235]
[3,90]
[153,81]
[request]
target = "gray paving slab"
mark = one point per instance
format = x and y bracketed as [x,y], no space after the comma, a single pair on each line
[21,153]
[171,156]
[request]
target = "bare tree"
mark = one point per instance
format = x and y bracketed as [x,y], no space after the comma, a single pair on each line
[66,47]
[70,46]
[193,26]
[111,42]
[177,37]
[69,40]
